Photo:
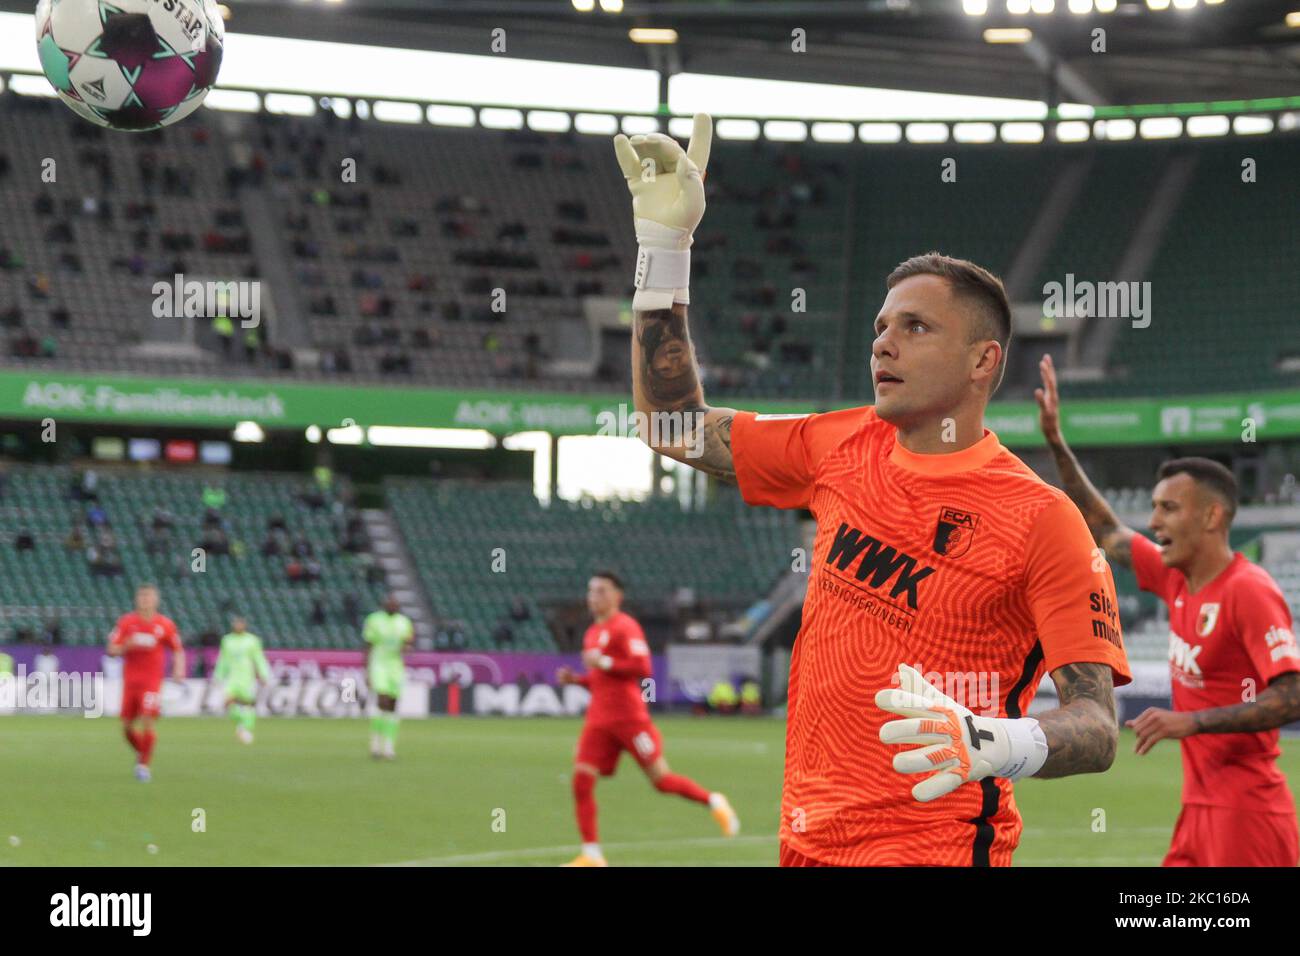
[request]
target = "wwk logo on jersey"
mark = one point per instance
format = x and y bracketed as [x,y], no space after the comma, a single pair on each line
[954,531]
[878,561]
[1183,657]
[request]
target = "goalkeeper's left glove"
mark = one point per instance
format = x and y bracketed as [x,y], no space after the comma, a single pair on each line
[961,745]
[667,187]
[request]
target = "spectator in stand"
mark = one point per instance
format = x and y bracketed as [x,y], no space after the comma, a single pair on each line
[76,539]
[24,541]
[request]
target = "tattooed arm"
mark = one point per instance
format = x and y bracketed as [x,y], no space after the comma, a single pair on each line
[1277,705]
[1082,734]
[666,390]
[1113,537]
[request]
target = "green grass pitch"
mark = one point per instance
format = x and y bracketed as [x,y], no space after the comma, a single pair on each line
[472,792]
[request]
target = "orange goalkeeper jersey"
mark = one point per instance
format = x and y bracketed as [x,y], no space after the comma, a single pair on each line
[966,566]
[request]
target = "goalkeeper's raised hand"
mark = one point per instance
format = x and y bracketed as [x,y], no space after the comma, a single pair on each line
[963,747]
[667,187]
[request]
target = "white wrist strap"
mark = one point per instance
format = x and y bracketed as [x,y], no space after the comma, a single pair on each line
[663,266]
[1028,749]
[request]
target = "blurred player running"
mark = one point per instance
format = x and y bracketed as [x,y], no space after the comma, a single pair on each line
[387,634]
[1230,632]
[935,546]
[240,665]
[142,638]
[615,651]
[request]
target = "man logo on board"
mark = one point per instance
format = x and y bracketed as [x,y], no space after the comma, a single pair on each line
[1209,616]
[954,532]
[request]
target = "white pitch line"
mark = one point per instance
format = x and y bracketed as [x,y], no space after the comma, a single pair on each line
[544,851]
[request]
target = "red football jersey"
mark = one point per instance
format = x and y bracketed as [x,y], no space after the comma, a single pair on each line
[968,567]
[1226,642]
[146,641]
[616,694]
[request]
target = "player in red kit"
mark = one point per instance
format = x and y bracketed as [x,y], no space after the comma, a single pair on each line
[615,651]
[1233,660]
[142,638]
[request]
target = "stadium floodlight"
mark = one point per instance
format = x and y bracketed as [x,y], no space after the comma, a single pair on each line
[1018,6]
[1022,132]
[832,132]
[652,35]
[612,6]
[248,432]
[584,6]
[1160,127]
[1184,4]
[497,117]
[974,132]
[975,8]
[1073,131]
[785,131]
[1080,6]
[1158,4]
[1293,19]
[416,437]
[880,132]
[1208,125]
[1116,129]
[1008,35]
[597,124]
[346,435]
[450,115]
[1252,125]
[1043,6]
[549,121]
[927,132]
[736,129]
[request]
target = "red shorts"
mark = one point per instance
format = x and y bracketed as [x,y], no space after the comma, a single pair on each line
[792,857]
[601,745]
[141,700]
[1225,836]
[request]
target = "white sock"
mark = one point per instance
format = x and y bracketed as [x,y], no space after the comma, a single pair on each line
[716,800]
[592,850]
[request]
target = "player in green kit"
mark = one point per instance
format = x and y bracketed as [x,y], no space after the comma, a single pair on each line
[240,665]
[387,634]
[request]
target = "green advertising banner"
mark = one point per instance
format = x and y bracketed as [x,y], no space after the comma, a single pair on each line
[189,402]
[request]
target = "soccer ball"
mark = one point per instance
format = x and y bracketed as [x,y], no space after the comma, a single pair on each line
[130,64]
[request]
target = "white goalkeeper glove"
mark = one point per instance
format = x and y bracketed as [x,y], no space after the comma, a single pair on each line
[667,186]
[961,745]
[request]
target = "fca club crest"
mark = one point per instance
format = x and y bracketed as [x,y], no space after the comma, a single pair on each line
[1206,620]
[954,532]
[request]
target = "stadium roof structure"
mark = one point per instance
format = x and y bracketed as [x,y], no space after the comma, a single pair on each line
[1233,49]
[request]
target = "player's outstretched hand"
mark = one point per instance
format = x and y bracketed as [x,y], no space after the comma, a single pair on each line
[1049,402]
[1156,724]
[564,675]
[666,182]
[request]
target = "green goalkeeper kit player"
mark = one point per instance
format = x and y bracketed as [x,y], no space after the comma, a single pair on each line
[240,665]
[387,634]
